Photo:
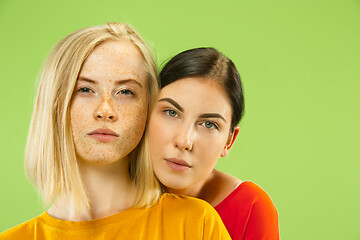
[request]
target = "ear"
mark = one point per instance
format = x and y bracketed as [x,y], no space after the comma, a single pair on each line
[230,141]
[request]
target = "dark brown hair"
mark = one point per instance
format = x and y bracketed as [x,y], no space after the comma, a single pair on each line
[208,63]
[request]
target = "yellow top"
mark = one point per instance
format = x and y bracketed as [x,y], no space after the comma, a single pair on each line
[174,217]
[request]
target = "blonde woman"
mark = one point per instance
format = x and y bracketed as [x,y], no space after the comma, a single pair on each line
[85,151]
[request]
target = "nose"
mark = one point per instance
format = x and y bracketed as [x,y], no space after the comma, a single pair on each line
[184,139]
[105,111]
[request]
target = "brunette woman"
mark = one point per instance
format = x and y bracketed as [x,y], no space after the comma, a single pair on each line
[194,122]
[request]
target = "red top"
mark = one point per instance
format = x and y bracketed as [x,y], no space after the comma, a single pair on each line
[248,213]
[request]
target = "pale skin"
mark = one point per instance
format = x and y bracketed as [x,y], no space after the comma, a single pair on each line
[110,93]
[190,126]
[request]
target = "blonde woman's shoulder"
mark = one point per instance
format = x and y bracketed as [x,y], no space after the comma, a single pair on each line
[22,231]
[190,204]
[193,217]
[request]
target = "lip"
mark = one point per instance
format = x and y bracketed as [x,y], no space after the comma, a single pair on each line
[103,135]
[177,164]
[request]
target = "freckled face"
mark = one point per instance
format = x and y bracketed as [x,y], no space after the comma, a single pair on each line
[188,131]
[109,105]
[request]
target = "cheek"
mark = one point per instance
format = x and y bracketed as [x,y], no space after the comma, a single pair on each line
[78,117]
[132,119]
[159,135]
[81,123]
[210,148]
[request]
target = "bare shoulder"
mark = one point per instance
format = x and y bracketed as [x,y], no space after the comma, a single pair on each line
[226,179]
[222,184]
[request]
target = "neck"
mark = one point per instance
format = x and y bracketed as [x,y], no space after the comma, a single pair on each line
[213,189]
[109,190]
[203,189]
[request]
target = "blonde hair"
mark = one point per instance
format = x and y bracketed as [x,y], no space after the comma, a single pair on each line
[50,160]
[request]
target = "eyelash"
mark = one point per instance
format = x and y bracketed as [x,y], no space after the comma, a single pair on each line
[167,111]
[125,92]
[85,90]
[213,125]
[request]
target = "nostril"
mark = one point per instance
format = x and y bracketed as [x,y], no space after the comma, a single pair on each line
[111,117]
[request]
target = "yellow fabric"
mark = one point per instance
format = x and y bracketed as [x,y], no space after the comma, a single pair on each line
[174,217]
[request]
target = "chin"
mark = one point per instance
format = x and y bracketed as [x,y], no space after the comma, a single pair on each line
[100,161]
[175,184]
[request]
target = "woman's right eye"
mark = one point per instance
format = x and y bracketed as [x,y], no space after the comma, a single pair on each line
[85,90]
[171,113]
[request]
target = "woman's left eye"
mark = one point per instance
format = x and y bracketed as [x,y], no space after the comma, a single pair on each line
[209,125]
[125,92]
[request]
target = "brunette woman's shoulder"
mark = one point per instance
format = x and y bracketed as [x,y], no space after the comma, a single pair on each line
[220,186]
[249,213]
[251,195]
[263,215]
[257,216]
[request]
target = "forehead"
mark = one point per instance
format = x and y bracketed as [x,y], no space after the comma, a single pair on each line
[199,94]
[115,59]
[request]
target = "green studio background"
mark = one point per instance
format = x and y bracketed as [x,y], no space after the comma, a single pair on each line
[299,61]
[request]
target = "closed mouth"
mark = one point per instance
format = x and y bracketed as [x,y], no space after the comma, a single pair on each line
[104,131]
[178,162]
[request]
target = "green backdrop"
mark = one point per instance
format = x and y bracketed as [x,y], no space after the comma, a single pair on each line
[299,61]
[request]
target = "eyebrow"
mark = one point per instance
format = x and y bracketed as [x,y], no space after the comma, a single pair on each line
[173,102]
[84,79]
[117,82]
[212,115]
[204,115]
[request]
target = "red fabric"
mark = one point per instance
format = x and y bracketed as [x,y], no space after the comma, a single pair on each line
[249,213]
